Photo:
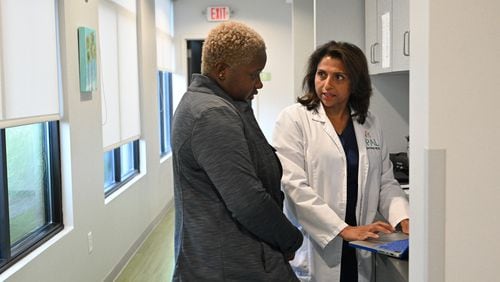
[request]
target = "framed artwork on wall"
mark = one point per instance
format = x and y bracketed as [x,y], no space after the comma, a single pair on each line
[87,52]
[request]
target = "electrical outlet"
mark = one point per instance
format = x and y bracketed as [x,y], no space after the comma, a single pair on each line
[90,238]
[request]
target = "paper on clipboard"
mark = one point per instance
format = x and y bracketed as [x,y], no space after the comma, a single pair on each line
[386,39]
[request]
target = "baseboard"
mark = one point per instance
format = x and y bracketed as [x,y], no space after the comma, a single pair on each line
[115,272]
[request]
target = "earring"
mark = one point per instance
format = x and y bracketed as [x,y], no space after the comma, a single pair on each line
[221,76]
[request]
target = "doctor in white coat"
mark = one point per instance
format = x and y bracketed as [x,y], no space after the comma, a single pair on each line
[336,169]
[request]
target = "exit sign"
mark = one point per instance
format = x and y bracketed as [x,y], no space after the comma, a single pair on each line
[218,14]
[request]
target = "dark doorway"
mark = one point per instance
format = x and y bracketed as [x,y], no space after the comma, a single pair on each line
[194,57]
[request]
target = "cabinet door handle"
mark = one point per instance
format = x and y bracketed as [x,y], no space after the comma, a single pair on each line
[406,47]
[371,54]
[374,61]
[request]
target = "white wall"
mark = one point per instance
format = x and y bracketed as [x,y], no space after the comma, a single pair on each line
[303,40]
[120,223]
[339,20]
[272,20]
[454,128]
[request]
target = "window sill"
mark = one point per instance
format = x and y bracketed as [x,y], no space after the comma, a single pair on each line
[35,253]
[123,188]
[165,157]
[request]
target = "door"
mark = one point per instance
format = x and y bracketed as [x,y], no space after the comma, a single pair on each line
[194,48]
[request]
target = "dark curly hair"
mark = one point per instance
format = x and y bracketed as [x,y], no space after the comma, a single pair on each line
[357,70]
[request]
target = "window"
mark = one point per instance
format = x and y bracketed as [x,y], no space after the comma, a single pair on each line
[164,34]
[30,193]
[30,85]
[120,91]
[120,165]
[165,55]
[30,175]
[165,105]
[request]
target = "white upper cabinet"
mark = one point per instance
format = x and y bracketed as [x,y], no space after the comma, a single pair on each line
[387,35]
[401,35]
[371,37]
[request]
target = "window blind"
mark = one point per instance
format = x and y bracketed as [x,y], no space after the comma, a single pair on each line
[120,76]
[29,85]
[164,35]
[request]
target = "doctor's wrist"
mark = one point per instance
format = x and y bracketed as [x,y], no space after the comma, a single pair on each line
[404,226]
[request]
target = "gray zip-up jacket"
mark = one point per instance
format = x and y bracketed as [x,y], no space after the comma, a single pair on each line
[229,224]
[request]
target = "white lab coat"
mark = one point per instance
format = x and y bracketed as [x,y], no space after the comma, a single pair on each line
[314,181]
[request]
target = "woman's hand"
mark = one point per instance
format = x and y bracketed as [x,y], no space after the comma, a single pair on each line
[363,232]
[289,256]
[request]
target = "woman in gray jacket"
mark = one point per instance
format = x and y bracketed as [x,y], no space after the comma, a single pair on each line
[229,220]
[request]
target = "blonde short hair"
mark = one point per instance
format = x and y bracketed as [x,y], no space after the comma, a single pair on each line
[233,43]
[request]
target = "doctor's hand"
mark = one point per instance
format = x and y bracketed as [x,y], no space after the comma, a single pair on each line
[404,225]
[363,232]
